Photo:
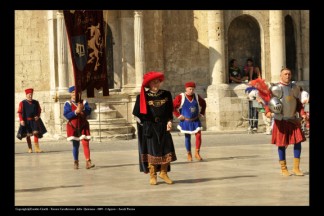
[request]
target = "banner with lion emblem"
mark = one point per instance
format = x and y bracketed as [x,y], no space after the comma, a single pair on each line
[85,30]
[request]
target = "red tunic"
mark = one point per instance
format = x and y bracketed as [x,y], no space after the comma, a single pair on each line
[79,122]
[285,132]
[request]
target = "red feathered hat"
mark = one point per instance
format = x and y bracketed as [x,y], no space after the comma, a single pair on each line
[148,77]
[190,84]
[29,90]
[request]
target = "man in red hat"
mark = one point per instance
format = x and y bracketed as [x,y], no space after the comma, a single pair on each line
[188,107]
[31,124]
[153,113]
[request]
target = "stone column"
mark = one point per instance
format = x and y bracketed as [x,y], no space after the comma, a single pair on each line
[218,90]
[60,78]
[139,48]
[216,46]
[305,44]
[62,57]
[52,51]
[277,44]
[127,51]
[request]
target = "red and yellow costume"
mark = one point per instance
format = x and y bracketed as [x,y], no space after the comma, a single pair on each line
[287,127]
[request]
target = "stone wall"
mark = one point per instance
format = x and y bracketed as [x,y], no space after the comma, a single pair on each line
[31,50]
[186,55]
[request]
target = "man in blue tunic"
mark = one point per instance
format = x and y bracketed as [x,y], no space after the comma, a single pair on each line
[188,108]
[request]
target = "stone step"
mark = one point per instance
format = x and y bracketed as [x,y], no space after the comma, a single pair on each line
[109,126]
[112,130]
[114,121]
[107,114]
[114,137]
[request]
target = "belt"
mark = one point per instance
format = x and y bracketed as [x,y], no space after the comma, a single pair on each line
[156,119]
[191,119]
[29,119]
[76,127]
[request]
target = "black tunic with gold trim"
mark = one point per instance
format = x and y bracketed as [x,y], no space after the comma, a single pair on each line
[155,143]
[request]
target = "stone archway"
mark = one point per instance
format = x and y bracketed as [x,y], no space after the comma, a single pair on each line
[244,40]
[290,42]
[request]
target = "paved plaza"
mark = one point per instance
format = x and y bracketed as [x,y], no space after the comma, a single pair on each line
[238,169]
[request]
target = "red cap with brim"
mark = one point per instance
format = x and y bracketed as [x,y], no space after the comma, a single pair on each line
[148,77]
[190,84]
[28,91]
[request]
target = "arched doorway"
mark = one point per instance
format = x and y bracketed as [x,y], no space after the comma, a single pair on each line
[291,47]
[110,57]
[244,40]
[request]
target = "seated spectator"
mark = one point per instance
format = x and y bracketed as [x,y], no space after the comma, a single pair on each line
[251,71]
[235,73]
[257,72]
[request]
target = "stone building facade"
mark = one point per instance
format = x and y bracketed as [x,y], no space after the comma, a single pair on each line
[187,45]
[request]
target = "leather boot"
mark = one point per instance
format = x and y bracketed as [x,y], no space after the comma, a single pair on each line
[284,170]
[89,165]
[37,149]
[30,149]
[197,155]
[153,178]
[76,164]
[163,174]
[296,169]
[189,156]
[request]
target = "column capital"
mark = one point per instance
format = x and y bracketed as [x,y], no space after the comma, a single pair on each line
[59,14]
[138,13]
